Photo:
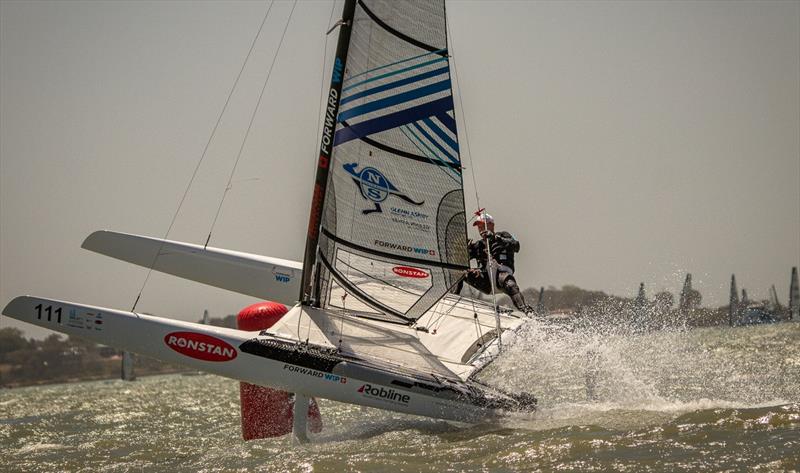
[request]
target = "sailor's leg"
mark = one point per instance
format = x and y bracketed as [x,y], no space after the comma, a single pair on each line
[480,281]
[507,282]
[459,286]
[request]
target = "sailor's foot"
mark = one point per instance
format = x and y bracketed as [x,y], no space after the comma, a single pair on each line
[529,311]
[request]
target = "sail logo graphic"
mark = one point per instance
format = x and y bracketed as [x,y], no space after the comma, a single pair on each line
[375,187]
[388,395]
[409,272]
[200,346]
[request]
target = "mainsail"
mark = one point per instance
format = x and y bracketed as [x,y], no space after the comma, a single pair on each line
[388,226]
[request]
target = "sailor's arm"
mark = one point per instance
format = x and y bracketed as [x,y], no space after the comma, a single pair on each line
[504,241]
[473,250]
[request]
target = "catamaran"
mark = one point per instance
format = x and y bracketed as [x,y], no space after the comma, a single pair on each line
[373,320]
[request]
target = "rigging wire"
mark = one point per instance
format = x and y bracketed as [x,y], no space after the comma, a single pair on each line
[489,262]
[472,166]
[320,119]
[202,155]
[250,125]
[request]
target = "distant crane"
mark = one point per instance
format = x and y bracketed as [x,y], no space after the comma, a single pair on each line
[794,297]
[540,309]
[686,301]
[734,307]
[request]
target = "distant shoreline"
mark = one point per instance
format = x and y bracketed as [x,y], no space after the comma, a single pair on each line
[47,382]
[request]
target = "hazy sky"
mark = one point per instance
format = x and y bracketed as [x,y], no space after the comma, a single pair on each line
[619,141]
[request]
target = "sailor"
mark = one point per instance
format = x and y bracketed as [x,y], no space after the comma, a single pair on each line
[502,246]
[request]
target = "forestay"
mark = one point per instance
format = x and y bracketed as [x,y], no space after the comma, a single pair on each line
[392,239]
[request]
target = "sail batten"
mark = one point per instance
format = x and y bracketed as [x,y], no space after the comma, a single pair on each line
[395,32]
[394,256]
[393,228]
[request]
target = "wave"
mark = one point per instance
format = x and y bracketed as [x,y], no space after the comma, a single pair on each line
[591,374]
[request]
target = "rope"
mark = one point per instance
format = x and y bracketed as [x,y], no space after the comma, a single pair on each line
[250,125]
[202,156]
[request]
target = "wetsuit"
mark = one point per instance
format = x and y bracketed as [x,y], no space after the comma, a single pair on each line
[502,246]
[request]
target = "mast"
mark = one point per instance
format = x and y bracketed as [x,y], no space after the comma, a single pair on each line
[774,305]
[326,148]
[733,308]
[684,303]
[794,296]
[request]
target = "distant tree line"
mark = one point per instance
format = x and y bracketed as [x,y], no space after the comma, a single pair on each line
[664,310]
[58,359]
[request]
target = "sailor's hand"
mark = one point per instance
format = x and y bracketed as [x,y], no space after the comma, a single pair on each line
[498,245]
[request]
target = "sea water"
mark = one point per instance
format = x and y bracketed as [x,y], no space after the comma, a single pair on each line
[714,399]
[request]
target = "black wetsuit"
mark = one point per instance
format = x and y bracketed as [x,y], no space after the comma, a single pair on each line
[502,246]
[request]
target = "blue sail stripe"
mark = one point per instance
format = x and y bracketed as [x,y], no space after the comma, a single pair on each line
[424,149]
[397,62]
[395,84]
[394,73]
[406,130]
[392,120]
[435,143]
[394,100]
[447,121]
[441,133]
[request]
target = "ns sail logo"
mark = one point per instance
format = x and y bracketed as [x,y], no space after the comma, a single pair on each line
[375,187]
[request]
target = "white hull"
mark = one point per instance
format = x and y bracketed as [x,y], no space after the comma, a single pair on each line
[187,343]
[259,276]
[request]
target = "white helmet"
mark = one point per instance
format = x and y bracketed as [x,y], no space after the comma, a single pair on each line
[484,218]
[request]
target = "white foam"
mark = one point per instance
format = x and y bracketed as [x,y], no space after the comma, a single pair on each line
[595,374]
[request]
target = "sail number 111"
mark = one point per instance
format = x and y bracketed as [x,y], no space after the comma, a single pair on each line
[49,312]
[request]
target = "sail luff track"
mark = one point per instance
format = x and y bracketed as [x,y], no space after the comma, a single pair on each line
[326,151]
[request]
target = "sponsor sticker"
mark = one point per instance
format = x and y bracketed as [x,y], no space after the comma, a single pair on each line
[409,272]
[411,219]
[406,248]
[316,374]
[401,212]
[75,319]
[200,346]
[90,320]
[280,276]
[383,394]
